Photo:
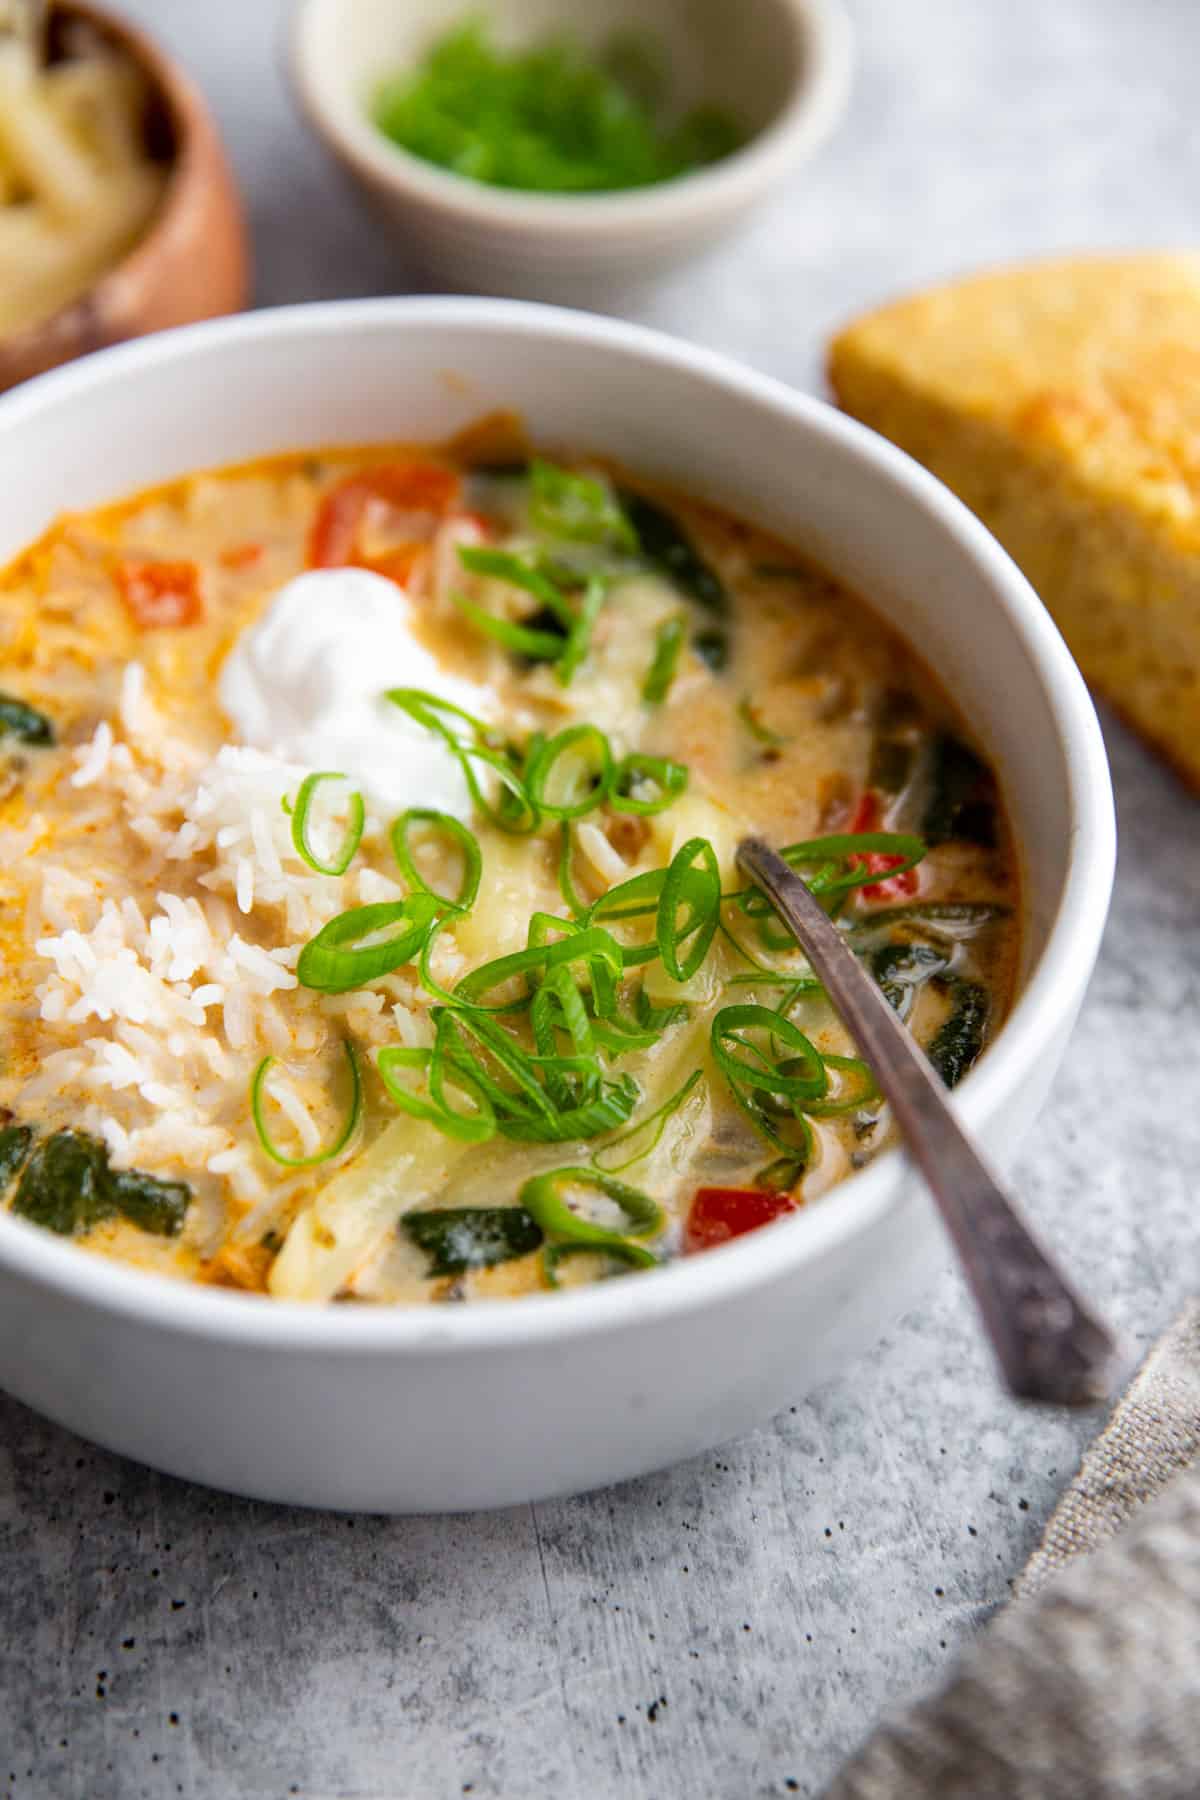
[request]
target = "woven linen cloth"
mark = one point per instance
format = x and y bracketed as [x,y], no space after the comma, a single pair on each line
[1087,1687]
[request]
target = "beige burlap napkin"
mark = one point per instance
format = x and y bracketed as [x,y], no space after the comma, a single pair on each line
[1087,1687]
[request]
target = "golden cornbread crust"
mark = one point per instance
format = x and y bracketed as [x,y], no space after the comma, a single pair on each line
[1061,401]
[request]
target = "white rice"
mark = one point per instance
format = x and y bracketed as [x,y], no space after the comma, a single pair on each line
[166,973]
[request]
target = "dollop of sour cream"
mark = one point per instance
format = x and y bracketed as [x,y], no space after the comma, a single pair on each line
[306,683]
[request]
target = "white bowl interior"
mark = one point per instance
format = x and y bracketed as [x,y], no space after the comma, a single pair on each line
[749,58]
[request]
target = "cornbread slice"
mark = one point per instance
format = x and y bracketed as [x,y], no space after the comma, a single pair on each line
[1061,401]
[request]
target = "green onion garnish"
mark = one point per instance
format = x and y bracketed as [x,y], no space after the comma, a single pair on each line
[341,957]
[692,879]
[859,1084]
[647,1132]
[584,780]
[538,646]
[543,1197]
[469,1127]
[804,1079]
[343,856]
[671,779]
[748,713]
[552,116]
[579,637]
[519,571]
[349,1126]
[667,645]
[566,882]
[582,508]
[464,840]
[622,1250]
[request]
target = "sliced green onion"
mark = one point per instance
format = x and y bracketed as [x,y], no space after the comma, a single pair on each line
[581,508]
[558,1006]
[455,1028]
[671,779]
[464,840]
[424,970]
[579,637]
[514,811]
[521,640]
[700,889]
[349,1126]
[439,716]
[589,763]
[667,644]
[566,881]
[862,1089]
[592,946]
[543,1197]
[748,713]
[338,959]
[636,1256]
[654,1124]
[823,855]
[343,856]
[470,1127]
[803,1081]
[771,1094]
[520,572]
[612,1107]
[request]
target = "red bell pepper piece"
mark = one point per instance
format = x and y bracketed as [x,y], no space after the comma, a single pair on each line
[422,492]
[160,593]
[720,1213]
[869,817]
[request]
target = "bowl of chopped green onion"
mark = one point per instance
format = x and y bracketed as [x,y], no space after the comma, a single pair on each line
[536,150]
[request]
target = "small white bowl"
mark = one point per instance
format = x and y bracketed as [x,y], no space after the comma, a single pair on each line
[441,1408]
[782,67]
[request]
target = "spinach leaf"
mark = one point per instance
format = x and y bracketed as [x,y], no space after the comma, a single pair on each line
[14,1148]
[891,765]
[471,1237]
[712,647]
[150,1204]
[903,969]
[667,545]
[958,1043]
[65,1184]
[961,801]
[23,722]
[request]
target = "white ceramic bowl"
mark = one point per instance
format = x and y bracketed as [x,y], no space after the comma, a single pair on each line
[454,1407]
[781,66]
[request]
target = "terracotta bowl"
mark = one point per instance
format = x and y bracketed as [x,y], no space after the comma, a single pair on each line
[192,261]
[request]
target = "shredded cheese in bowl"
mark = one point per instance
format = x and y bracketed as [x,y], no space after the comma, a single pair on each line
[77,185]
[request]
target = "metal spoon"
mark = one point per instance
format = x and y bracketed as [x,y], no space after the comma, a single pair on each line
[1050,1347]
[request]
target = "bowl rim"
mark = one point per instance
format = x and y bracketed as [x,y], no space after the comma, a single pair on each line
[1049,997]
[817,99]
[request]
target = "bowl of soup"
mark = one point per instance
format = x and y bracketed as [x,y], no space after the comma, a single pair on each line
[407,1104]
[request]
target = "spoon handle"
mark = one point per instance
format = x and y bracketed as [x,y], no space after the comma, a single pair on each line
[1049,1346]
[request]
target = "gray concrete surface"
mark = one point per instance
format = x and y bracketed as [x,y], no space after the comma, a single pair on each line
[732,1627]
